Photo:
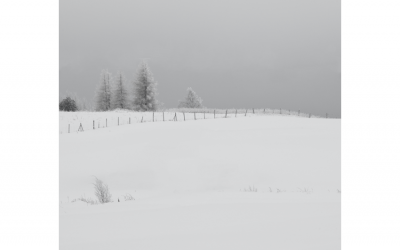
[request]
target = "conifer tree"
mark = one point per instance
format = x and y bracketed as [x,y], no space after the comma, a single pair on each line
[103,92]
[120,92]
[144,95]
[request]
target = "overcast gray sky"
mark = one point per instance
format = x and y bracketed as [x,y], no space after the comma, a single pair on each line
[234,54]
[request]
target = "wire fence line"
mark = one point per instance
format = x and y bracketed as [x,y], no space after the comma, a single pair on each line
[126,118]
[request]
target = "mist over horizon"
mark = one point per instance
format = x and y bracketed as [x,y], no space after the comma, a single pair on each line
[259,54]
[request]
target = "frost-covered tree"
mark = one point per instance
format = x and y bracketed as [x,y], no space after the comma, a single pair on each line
[144,90]
[120,92]
[84,104]
[192,100]
[103,92]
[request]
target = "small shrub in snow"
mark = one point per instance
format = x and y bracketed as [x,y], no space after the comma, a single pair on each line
[251,189]
[86,200]
[101,191]
[305,190]
[129,197]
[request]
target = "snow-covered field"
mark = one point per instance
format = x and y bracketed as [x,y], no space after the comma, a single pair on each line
[189,179]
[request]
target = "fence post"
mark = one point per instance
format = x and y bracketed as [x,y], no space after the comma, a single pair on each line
[226,114]
[184,117]
[310,115]
[214,113]
[204,115]
[142,119]
[93,125]
[80,127]
[245,114]
[194,114]
[175,118]
[235,112]
[68,128]
[129,120]
[118,121]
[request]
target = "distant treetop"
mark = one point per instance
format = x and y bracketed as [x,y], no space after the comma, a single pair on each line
[192,100]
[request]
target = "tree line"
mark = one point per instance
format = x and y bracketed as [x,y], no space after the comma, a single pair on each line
[112,92]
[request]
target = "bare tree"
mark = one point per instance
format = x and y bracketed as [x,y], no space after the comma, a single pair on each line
[101,191]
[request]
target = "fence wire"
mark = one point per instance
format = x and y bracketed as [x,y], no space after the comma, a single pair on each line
[84,121]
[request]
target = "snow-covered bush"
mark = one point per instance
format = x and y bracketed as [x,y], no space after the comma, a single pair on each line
[87,200]
[192,100]
[129,197]
[101,191]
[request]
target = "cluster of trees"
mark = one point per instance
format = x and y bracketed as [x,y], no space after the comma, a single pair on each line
[113,92]
[71,102]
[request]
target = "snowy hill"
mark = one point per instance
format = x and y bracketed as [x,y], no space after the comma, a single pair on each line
[188,180]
